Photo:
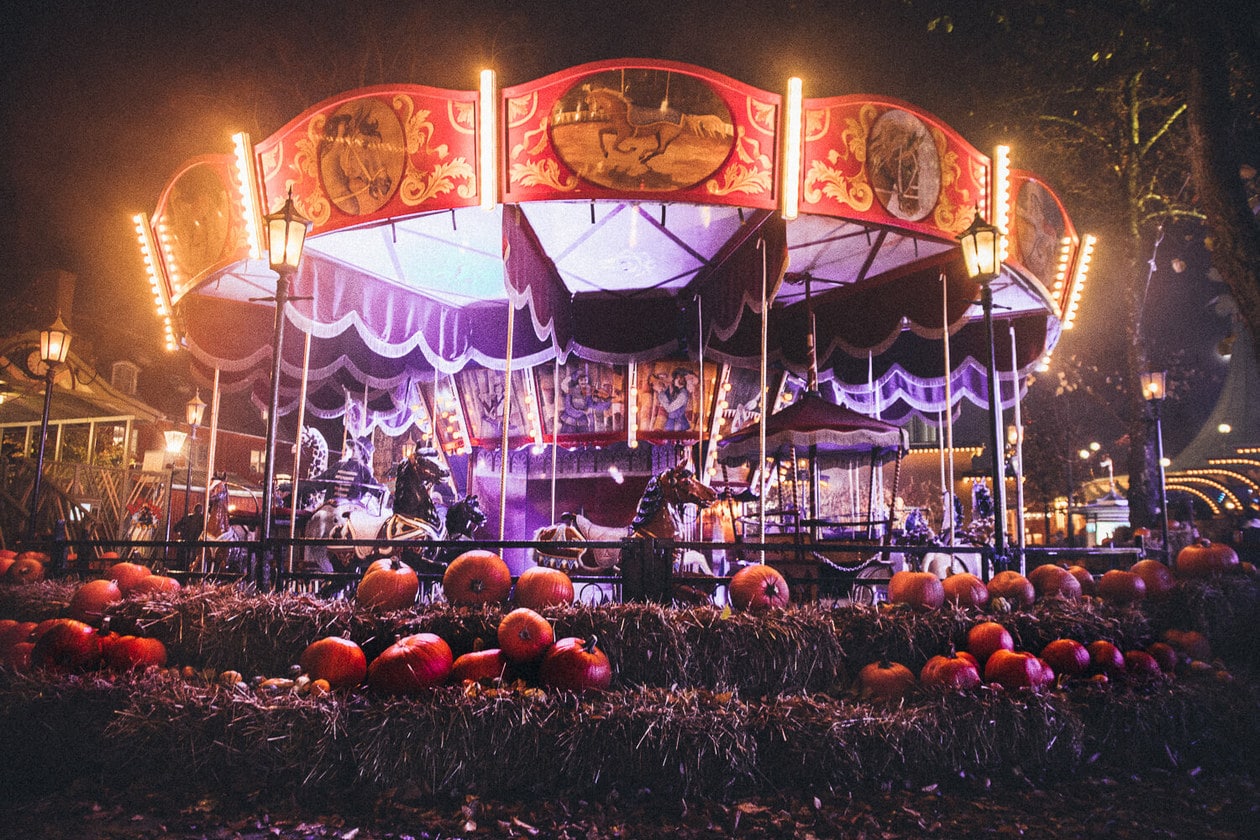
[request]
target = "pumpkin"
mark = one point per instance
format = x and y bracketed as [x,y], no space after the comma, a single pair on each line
[19,658]
[886,681]
[1066,656]
[411,665]
[154,584]
[1105,658]
[126,653]
[27,567]
[986,639]
[388,584]
[524,635]
[1051,581]
[12,632]
[90,600]
[965,590]
[951,672]
[1121,588]
[573,664]
[475,578]
[1165,655]
[759,587]
[1018,669]
[339,661]
[539,587]
[1141,666]
[127,575]
[1085,578]
[67,644]
[7,556]
[918,590]
[1016,589]
[1203,558]
[1157,577]
[480,666]
[1190,642]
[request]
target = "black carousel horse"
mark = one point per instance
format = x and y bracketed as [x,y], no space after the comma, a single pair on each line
[658,517]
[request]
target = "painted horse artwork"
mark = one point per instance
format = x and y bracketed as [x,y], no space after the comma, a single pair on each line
[629,122]
[220,527]
[660,516]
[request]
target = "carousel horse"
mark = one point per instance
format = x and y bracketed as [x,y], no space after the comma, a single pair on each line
[219,527]
[627,121]
[658,516]
[414,516]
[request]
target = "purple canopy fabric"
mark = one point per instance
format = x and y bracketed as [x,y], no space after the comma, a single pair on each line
[811,421]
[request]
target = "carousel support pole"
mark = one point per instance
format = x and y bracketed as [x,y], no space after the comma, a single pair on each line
[555,431]
[765,406]
[297,450]
[1020,536]
[947,509]
[507,414]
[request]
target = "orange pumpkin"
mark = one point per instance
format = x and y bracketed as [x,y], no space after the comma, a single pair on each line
[1121,588]
[480,666]
[759,587]
[885,681]
[1203,558]
[27,567]
[524,635]
[955,672]
[1158,577]
[1049,581]
[475,578]
[1066,656]
[541,586]
[388,584]
[965,590]
[986,639]
[1085,578]
[918,590]
[67,644]
[572,664]
[91,599]
[411,665]
[127,575]
[339,661]
[127,653]
[1018,669]
[1105,658]
[151,584]
[1016,589]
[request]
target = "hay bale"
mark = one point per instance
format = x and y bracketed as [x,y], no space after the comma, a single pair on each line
[36,601]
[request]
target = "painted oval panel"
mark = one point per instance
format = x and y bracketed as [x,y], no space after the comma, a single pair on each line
[904,166]
[362,154]
[1039,229]
[648,130]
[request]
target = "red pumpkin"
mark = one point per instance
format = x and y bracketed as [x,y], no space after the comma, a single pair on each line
[411,665]
[965,590]
[480,666]
[886,681]
[1165,656]
[759,587]
[1067,657]
[1190,642]
[91,599]
[986,639]
[1016,589]
[524,635]
[1085,578]
[6,560]
[572,664]
[919,590]
[1018,669]
[389,585]
[1051,581]
[539,587]
[476,578]
[1141,666]
[1105,658]
[951,672]
[156,584]
[124,653]
[339,661]
[1121,588]
[19,658]
[11,633]
[127,575]
[1204,558]
[27,567]
[67,644]
[1156,576]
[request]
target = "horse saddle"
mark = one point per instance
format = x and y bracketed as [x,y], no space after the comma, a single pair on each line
[640,116]
[357,524]
[566,558]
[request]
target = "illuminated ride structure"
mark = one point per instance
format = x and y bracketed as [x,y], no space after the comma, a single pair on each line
[542,279]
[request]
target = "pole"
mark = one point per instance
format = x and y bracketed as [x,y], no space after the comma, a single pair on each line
[1019,452]
[1163,489]
[1070,486]
[39,452]
[947,505]
[995,429]
[269,466]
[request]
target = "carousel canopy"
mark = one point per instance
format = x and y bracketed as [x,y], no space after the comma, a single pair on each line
[622,214]
[812,423]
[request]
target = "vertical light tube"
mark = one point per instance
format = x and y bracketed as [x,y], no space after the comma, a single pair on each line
[488,145]
[790,188]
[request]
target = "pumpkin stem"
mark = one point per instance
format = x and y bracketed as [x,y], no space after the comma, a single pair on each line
[589,644]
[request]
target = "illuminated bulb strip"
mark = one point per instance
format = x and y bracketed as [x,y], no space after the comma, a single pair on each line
[170,259]
[1209,501]
[247,183]
[632,406]
[719,411]
[1191,477]
[1248,450]
[1232,474]
[533,415]
[153,268]
[1000,209]
[1077,288]
[456,428]
[968,451]
[488,141]
[792,134]
[1065,266]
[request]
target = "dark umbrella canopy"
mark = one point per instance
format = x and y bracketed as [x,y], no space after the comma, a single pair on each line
[811,421]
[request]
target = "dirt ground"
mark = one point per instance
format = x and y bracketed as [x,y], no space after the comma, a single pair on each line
[1159,804]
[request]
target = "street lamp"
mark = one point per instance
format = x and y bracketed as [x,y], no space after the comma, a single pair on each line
[286,234]
[194,409]
[54,347]
[1153,389]
[982,255]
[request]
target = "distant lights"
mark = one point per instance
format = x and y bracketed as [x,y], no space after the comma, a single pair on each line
[161,299]
[1198,494]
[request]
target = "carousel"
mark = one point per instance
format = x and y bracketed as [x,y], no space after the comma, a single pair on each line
[560,291]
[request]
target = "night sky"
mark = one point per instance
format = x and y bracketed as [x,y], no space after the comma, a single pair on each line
[103,100]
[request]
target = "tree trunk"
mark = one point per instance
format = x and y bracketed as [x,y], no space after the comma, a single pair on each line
[1214,164]
[1143,494]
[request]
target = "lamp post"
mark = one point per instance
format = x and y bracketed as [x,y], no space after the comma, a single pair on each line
[1153,389]
[982,255]
[286,234]
[54,347]
[194,409]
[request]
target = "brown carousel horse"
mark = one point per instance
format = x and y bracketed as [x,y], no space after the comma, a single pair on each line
[219,527]
[627,121]
[659,516]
